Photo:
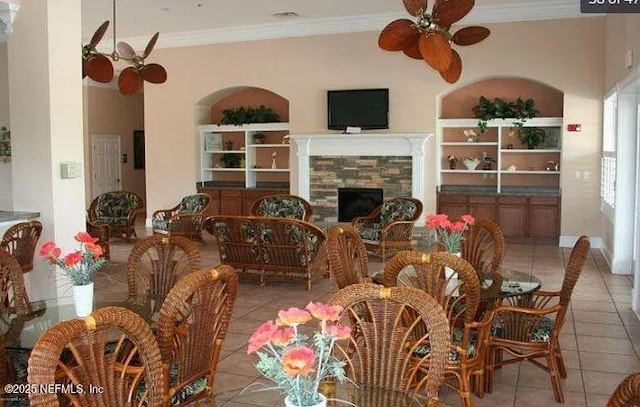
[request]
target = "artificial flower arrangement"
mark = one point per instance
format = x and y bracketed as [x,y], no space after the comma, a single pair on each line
[295,362]
[448,233]
[80,265]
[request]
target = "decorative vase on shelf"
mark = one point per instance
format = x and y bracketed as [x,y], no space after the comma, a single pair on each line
[288,402]
[83,299]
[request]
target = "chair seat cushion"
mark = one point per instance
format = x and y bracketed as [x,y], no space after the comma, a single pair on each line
[160,224]
[372,234]
[542,331]
[454,355]
[113,221]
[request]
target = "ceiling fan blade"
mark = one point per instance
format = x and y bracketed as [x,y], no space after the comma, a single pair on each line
[436,50]
[125,50]
[97,36]
[398,35]
[129,81]
[451,11]
[415,7]
[153,73]
[413,51]
[452,74]
[150,45]
[470,35]
[98,68]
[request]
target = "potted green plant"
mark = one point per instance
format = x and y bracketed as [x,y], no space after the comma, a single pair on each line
[487,110]
[243,115]
[532,137]
[259,138]
[231,160]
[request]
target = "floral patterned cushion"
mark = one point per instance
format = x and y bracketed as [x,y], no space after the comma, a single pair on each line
[223,233]
[372,234]
[454,355]
[281,207]
[113,208]
[397,209]
[193,203]
[160,225]
[542,331]
[186,393]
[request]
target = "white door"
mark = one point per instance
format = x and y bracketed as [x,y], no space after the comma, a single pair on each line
[105,159]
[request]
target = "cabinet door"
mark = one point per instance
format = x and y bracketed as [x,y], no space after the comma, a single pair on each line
[544,218]
[453,205]
[231,202]
[512,218]
[483,207]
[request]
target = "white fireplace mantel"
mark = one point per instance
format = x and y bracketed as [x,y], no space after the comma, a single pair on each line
[378,144]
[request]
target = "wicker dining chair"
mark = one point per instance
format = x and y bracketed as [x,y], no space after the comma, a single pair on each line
[348,259]
[459,296]
[396,322]
[20,240]
[191,329]
[154,266]
[483,246]
[627,393]
[113,350]
[529,329]
[102,232]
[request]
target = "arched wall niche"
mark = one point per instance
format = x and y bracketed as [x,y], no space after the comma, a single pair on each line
[247,96]
[458,104]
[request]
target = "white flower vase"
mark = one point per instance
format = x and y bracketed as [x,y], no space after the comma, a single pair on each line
[288,402]
[83,299]
[448,272]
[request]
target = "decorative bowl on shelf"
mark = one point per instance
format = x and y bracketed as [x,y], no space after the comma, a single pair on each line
[471,163]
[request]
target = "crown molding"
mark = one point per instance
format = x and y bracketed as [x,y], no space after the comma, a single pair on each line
[481,14]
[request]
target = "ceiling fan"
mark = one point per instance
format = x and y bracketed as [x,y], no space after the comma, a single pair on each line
[429,37]
[97,66]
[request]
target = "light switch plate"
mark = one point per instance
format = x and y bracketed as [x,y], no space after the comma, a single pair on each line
[70,169]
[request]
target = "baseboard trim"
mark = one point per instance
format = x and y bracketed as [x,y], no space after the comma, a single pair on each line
[569,241]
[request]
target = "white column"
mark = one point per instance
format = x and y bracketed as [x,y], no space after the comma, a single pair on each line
[45,89]
[303,145]
[418,172]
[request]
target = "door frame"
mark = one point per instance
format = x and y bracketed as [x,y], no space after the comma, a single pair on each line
[94,138]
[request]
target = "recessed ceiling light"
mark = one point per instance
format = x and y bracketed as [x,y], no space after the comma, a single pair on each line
[286,14]
[165,9]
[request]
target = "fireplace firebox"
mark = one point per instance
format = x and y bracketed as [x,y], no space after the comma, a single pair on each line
[353,202]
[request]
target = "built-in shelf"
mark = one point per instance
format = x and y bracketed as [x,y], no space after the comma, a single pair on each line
[470,171]
[526,151]
[469,143]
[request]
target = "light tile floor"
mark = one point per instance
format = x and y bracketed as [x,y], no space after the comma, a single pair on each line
[600,340]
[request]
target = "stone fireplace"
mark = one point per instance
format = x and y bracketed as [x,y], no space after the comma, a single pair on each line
[394,162]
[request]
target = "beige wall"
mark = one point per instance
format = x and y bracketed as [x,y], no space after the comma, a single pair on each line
[565,54]
[6,191]
[107,112]
[622,33]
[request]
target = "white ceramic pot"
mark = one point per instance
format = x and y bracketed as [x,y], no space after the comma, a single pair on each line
[83,299]
[448,272]
[322,403]
[471,164]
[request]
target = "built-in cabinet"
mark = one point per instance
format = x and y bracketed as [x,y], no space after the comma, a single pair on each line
[522,218]
[250,153]
[235,201]
[503,161]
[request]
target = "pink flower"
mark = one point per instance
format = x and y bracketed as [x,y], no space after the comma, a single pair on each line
[96,251]
[337,331]
[458,227]
[324,312]
[282,337]
[72,259]
[293,316]
[261,336]
[47,248]
[468,219]
[298,361]
[84,237]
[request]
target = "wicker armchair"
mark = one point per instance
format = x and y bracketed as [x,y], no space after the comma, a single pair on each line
[460,298]
[102,231]
[282,206]
[20,240]
[389,228]
[154,265]
[191,329]
[15,303]
[627,393]
[348,260]
[184,219]
[112,349]
[530,329]
[118,209]
[396,322]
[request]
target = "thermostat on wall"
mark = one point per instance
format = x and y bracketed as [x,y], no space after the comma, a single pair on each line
[70,169]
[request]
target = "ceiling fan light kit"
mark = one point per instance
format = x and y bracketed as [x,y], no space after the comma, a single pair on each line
[429,37]
[97,65]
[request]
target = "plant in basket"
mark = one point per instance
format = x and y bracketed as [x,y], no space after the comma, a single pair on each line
[296,362]
[449,233]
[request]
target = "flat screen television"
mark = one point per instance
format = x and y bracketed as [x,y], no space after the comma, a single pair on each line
[364,108]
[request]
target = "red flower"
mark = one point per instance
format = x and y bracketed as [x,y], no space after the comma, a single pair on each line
[324,312]
[458,227]
[72,259]
[293,316]
[468,219]
[84,237]
[337,331]
[282,337]
[47,248]
[261,336]
[298,361]
[96,251]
